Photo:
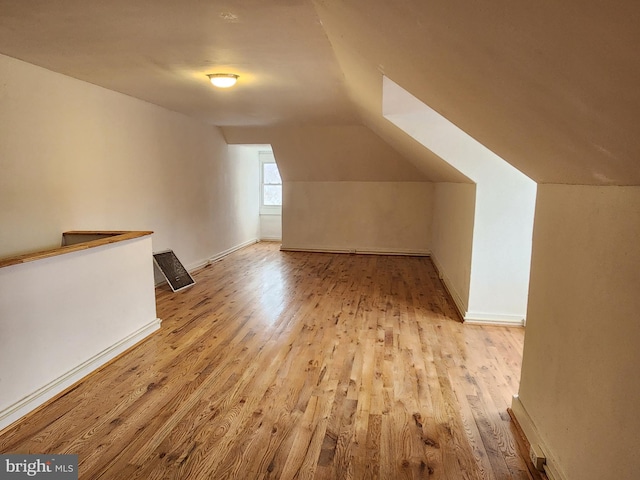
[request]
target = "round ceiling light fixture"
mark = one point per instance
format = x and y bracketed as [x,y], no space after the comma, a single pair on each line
[223,80]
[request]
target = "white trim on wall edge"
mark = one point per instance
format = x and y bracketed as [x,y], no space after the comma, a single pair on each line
[359,251]
[270,239]
[229,251]
[457,298]
[32,401]
[474,318]
[533,437]
[192,267]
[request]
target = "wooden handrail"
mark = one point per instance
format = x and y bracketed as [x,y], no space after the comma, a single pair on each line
[113,237]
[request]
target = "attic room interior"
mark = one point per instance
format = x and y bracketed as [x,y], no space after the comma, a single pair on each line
[452,280]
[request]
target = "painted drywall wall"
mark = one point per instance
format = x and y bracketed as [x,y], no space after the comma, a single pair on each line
[393,217]
[244,192]
[327,160]
[579,381]
[64,316]
[501,258]
[75,156]
[271,227]
[505,204]
[452,237]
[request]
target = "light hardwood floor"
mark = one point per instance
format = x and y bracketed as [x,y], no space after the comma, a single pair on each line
[295,365]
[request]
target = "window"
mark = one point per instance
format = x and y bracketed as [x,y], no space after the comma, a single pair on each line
[270,185]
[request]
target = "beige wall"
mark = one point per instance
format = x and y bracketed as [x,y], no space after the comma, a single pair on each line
[344,189]
[77,156]
[271,227]
[452,237]
[579,381]
[363,216]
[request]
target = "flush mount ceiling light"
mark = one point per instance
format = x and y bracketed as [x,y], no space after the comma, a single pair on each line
[223,80]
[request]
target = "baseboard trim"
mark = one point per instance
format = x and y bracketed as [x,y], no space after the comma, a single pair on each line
[270,239]
[460,305]
[528,428]
[45,393]
[493,319]
[359,251]
[474,318]
[229,251]
[159,279]
[195,266]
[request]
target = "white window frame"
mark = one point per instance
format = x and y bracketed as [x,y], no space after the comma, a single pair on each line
[267,157]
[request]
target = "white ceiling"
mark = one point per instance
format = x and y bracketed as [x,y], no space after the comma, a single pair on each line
[161,50]
[552,87]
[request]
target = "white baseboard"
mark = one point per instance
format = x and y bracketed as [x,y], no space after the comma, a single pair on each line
[228,251]
[159,279]
[493,319]
[533,437]
[194,266]
[46,392]
[474,318]
[270,239]
[359,251]
[455,295]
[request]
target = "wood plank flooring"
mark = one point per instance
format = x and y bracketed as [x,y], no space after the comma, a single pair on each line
[282,365]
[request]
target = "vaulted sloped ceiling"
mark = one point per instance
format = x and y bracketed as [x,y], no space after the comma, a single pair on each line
[551,87]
